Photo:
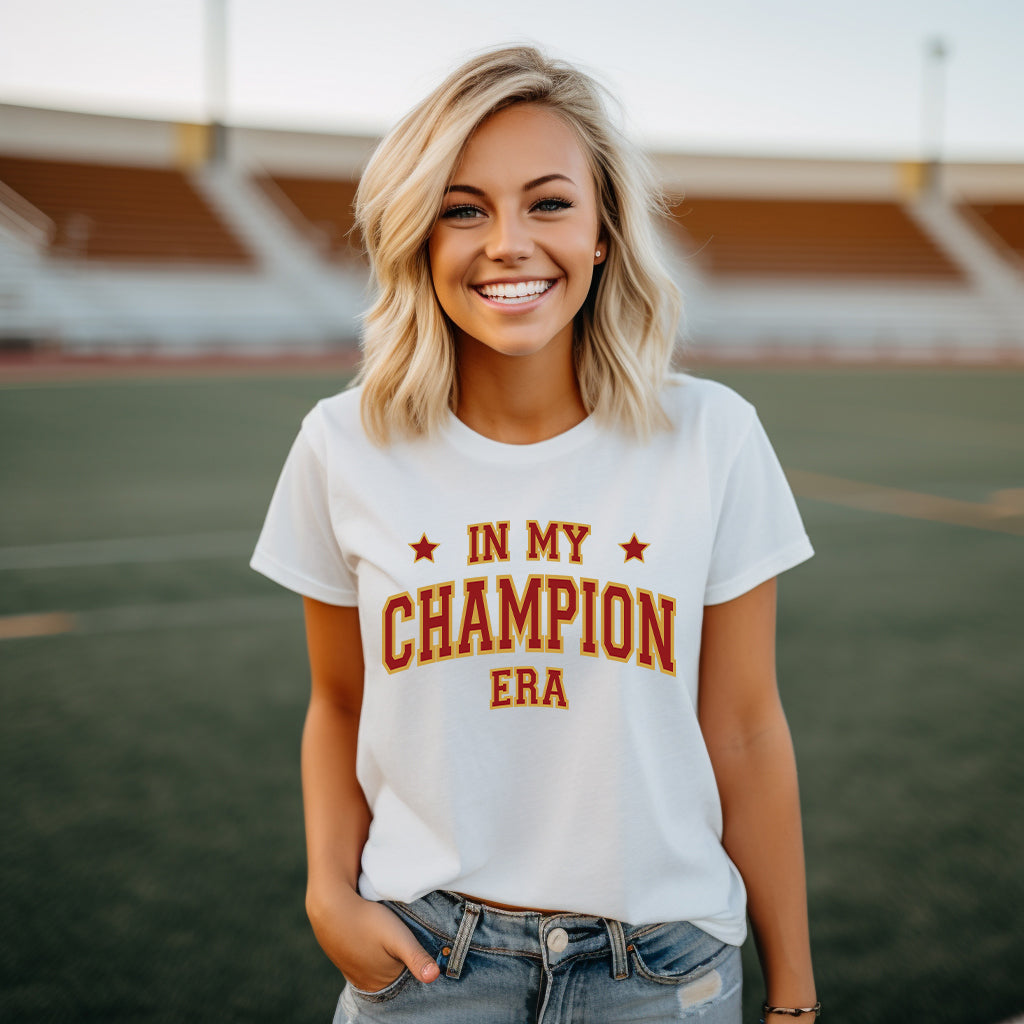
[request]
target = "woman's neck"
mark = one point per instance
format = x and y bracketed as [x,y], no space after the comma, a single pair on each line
[517,399]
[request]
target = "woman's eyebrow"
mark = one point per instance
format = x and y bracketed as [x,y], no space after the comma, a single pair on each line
[536,183]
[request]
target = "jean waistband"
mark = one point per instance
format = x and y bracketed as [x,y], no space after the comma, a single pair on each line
[463,924]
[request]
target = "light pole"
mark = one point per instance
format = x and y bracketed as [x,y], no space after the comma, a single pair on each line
[933,104]
[216,77]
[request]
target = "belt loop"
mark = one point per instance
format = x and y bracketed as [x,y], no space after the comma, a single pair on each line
[620,965]
[462,939]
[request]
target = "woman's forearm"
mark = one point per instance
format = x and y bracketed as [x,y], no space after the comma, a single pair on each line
[751,752]
[365,940]
[336,814]
[757,782]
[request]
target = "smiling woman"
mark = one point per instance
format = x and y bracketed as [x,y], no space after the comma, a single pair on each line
[544,761]
[518,159]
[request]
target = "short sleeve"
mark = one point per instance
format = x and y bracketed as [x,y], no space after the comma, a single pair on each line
[758,531]
[297,546]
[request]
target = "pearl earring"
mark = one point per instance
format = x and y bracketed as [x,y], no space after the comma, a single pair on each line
[598,254]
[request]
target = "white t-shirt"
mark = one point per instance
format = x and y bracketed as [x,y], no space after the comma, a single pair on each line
[531,620]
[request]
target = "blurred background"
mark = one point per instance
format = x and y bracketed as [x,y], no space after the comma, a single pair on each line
[178,285]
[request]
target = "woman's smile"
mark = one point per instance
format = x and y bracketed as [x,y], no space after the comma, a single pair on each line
[515,295]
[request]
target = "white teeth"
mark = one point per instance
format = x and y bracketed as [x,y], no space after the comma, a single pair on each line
[508,291]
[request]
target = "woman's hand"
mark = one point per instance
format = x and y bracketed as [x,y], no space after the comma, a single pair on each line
[367,942]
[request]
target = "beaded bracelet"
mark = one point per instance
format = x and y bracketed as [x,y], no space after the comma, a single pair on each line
[791,1011]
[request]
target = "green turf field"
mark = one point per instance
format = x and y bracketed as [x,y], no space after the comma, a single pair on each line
[151,854]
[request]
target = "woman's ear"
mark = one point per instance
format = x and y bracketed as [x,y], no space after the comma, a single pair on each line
[600,250]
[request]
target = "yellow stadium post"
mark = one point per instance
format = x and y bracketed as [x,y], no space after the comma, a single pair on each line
[913,178]
[192,145]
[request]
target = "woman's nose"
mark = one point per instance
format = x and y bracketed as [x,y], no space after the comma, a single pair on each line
[509,239]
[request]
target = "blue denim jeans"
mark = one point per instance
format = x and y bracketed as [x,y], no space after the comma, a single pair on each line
[504,967]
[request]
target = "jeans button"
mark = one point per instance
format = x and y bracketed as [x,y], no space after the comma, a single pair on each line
[558,939]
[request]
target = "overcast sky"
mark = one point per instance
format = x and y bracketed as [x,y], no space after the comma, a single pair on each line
[775,76]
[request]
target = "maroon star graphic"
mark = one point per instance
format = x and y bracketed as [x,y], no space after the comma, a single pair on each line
[634,549]
[423,549]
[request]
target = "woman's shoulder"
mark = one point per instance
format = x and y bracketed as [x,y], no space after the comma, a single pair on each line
[335,416]
[333,429]
[689,400]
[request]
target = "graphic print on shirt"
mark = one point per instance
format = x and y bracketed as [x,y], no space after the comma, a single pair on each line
[634,549]
[503,614]
[424,549]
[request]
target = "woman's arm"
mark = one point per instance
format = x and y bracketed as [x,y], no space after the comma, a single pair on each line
[365,940]
[751,751]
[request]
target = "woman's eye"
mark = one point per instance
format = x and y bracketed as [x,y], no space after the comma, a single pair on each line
[463,212]
[552,205]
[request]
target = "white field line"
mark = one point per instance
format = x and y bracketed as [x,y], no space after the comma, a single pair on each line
[138,617]
[15,627]
[1003,513]
[129,550]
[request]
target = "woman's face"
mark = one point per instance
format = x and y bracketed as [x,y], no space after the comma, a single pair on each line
[512,254]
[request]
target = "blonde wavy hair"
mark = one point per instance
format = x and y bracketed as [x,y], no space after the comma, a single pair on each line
[625,332]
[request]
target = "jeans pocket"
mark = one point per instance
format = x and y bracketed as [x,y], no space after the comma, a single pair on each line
[382,995]
[428,939]
[675,952]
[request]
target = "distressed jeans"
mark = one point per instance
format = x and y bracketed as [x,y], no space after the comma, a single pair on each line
[505,967]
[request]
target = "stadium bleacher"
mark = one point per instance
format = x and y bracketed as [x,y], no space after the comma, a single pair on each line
[1006,220]
[107,211]
[325,204]
[734,237]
